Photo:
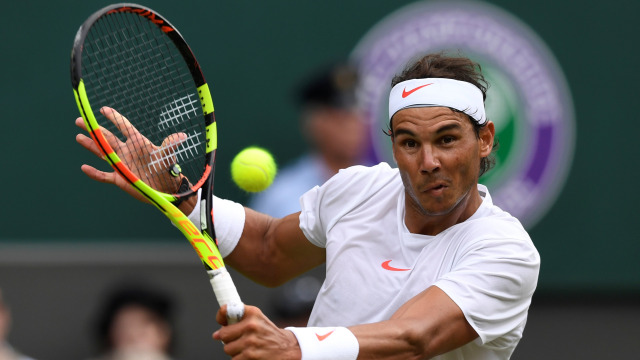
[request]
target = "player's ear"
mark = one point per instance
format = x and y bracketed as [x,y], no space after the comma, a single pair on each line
[393,153]
[389,132]
[486,137]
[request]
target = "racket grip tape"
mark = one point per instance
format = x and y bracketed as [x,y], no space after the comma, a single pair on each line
[227,294]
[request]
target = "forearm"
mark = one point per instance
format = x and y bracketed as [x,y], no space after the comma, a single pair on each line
[267,250]
[394,339]
[427,325]
[391,340]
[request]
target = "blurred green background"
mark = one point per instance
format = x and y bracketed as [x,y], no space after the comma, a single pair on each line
[56,223]
[253,53]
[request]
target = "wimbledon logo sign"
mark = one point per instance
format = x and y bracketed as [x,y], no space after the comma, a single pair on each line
[528,99]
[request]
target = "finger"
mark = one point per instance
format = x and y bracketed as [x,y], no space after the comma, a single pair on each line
[221,315]
[247,337]
[97,175]
[174,140]
[80,123]
[171,143]
[121,122]
[235,349]
[170,149]
[113,141]
[115,179]
[227,333]
[90,145]
[232,341]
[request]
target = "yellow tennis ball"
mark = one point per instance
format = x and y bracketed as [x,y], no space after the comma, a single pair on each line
[253,169]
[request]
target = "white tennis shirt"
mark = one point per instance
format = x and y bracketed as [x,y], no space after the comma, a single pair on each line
[487,264]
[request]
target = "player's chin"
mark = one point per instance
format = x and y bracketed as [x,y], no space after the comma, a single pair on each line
[440,211]
[437,206]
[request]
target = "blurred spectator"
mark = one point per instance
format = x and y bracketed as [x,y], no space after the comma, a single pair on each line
[292,302]
[335,130]
[136,324]
[6,351]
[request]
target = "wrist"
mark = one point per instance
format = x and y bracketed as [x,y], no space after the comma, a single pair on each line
[228,220]
[326,343]
[183,187]
[228,223]
[293,347]
[187,206]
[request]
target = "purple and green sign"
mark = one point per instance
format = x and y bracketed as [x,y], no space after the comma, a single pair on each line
[528,99]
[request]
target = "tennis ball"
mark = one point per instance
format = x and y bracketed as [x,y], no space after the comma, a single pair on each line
[253,169]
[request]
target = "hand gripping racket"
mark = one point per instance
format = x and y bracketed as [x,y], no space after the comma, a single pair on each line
[157,128]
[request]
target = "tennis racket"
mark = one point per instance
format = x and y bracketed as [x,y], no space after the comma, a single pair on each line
[156,126]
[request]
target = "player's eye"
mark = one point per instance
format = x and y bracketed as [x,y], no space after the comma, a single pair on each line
[448,139]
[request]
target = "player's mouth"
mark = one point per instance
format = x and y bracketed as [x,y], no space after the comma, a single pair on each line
[435,189]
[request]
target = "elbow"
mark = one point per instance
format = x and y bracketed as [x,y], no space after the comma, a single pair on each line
[416,344]
[268,271]
[429,344]
[272,262]
[268,279]
[420,345]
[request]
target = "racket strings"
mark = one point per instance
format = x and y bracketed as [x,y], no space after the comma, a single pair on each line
[130,65]
[164,157]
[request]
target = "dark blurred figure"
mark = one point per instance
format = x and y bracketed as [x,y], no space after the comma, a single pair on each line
[6,351]
[292,302]
[335,130]
[136,324]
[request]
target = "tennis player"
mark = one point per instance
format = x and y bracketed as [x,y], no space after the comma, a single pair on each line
[419,262]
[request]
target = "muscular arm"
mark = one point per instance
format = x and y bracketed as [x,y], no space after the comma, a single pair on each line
[272,251]
[427,325]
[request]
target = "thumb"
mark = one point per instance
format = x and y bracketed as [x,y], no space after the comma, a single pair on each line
[221,316]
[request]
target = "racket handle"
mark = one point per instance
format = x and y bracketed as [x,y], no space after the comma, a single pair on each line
[226,294]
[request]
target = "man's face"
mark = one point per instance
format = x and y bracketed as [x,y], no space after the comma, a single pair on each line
[438,156]
[136,328]
[339,134]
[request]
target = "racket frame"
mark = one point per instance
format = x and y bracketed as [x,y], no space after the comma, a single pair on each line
[203,240]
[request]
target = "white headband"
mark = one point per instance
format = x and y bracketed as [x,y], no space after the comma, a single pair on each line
[459,95]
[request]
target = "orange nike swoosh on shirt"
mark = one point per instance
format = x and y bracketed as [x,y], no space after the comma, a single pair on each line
[386,266]
[322,337]
[406,93]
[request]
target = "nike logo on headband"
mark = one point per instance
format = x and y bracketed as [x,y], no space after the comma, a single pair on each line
[406,93]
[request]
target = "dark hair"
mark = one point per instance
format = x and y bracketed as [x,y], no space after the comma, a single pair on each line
[440,65]
[333,85]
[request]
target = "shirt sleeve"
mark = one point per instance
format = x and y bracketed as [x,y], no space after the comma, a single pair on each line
[493,283]
[323,206]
